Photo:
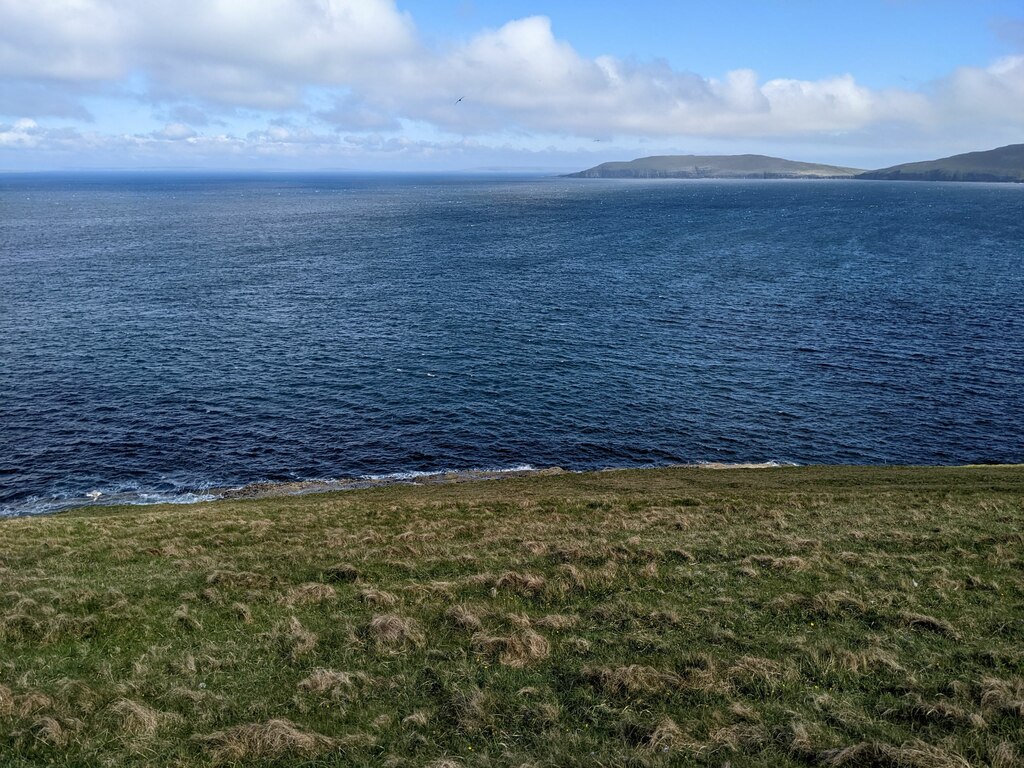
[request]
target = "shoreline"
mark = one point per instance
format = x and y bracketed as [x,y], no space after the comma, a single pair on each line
[261,490]
[265,490]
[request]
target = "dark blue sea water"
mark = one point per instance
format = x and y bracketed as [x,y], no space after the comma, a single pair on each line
[162,335]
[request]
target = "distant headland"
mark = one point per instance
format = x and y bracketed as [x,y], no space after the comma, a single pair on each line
[714,167]
[1003,164]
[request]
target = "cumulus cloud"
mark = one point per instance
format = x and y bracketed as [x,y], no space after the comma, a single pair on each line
[174,132]
[23,133]
[994,93]
[73,40]
[200,60]
[284,134]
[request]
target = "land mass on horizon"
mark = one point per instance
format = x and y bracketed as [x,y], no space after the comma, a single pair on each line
[714,167]
[1000,164]
[1004,164]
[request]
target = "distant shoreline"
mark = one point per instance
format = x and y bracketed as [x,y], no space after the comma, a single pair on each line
[1001,165]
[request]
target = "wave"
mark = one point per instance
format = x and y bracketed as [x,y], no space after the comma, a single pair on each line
[37,505]
[414,475]
[745,464]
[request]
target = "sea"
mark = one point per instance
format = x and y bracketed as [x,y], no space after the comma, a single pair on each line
[166,336]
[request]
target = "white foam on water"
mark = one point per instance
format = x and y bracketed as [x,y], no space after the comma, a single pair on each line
[415,474]
[770,464]
[171,498]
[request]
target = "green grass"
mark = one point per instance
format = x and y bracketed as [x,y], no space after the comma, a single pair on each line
[778,617]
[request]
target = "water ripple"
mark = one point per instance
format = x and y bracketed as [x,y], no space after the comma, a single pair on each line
[168,336]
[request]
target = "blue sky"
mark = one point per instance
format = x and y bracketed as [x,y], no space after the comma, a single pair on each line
[373,84]
[794,38]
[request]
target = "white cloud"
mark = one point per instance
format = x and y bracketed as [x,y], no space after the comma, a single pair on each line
[282,134]
[994,93]
[73,40]
[175,132]
[360,66]
[258,54]
[24,133]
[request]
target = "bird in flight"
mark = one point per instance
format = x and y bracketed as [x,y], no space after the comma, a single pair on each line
[460,99]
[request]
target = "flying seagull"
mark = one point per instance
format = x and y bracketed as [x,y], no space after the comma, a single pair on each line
[460,99]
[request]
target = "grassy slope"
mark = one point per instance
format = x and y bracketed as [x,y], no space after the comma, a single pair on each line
[783,617]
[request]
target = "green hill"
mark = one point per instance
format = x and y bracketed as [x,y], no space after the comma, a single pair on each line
[1002,164]
[792,617]
[713,167]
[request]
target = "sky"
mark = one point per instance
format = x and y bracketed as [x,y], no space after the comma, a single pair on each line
[465,85]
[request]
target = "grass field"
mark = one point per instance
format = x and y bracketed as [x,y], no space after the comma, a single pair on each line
[775,617]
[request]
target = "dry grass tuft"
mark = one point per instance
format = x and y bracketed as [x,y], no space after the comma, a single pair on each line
[631,680]
[578,645]
[1003,696]
[941,711]
[757,674]
[790,563]
[665,737]
[185,618]
[32,702]
[526,584]
[52,732]
[243,612]
[394,631]
[558,622]
[271,740]
[741,737]
[463,618]
[138,720]
[518,620]
[473,709]
[520,649]
[1004,756]
[420,718]
[572,577]
[377,597]
[311,592]
[6,701]
[296,640]
[337,684]
[916,754]
[830,604]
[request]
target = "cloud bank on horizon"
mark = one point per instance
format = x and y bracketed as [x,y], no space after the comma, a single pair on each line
[355,83]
